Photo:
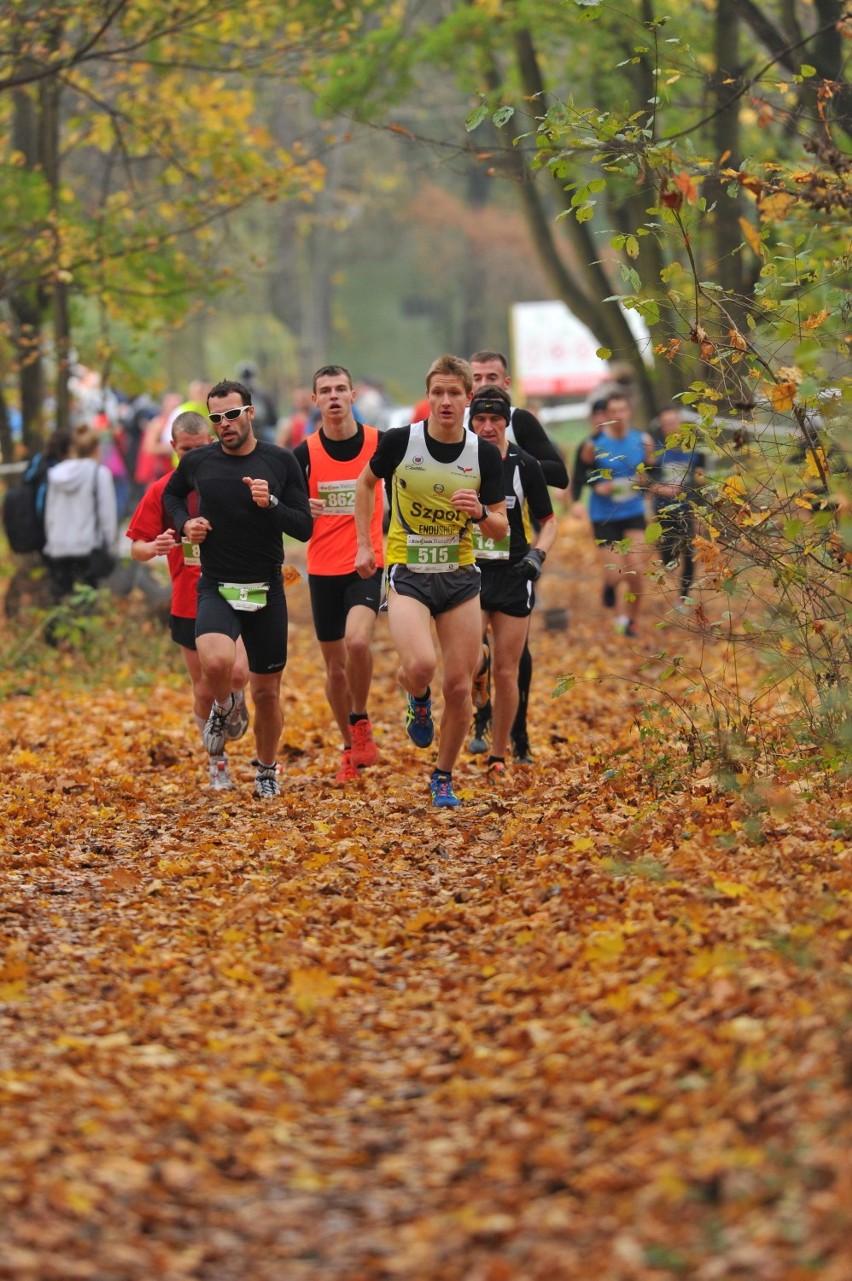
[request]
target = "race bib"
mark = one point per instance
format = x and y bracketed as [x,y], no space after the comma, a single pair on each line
[248,597]
[675,473]
[192,554]
[338,497]
[490,548]
[431,555]
[622,489]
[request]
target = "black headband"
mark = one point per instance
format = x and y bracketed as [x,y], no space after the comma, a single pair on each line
[483,403]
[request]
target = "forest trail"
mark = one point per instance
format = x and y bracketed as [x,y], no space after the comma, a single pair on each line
[593,1025]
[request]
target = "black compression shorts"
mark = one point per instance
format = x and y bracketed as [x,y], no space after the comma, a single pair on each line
[264,631]
[332,597]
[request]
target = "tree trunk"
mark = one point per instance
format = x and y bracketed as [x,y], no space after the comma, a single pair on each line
[7,447]
[26,303]
[35,134]
[50,163]
[729,267]
[584,285]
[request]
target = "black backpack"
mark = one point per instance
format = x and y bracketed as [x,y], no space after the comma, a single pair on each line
[23,509]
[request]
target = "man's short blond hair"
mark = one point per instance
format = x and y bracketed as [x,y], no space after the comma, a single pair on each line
[453,367]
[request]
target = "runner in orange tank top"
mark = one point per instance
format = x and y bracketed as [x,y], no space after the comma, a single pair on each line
[344,604]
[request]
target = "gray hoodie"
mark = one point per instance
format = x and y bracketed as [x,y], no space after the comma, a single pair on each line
[69,514]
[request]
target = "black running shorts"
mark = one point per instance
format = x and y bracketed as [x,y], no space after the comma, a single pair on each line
[333,595]
[182,631]
[438,592]
[264,631]
[505,591]
[610,532]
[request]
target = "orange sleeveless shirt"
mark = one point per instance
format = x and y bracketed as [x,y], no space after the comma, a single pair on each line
[333,544]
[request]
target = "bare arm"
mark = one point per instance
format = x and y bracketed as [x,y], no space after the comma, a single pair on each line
[546,535]
[143,550]
[365,500]
[496,523]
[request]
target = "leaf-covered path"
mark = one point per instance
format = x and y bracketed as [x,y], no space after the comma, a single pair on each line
[596,1025]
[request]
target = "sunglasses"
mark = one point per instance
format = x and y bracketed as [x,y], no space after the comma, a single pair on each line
[231,414]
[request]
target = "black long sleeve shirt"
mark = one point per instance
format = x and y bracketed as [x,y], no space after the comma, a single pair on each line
[530,436]
[245,542]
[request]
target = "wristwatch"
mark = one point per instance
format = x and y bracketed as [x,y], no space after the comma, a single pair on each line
[484,516]
[273,501]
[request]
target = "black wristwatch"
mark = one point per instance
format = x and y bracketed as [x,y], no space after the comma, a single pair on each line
[273,501]
[484,516]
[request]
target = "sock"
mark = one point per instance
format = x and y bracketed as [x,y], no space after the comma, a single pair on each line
[355,717]
[525,667]
[270,769]
[442,773]
[609,596]
[425,698]
[496,760]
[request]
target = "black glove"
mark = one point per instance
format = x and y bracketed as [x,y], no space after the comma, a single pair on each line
[530,566]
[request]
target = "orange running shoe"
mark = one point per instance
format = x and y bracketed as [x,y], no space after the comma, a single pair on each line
[348,770]
[364,750]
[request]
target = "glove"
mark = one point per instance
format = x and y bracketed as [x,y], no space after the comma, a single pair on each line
[530,566]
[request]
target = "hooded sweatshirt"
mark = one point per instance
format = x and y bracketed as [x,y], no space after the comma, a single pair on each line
[73,487]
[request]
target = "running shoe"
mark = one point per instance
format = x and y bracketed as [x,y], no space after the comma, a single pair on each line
[441,787]
[418,721]
[497,773]
[348,770]
[479,742]
[266,781]
[480,691]
[630,628]
[238,717]
[215,730]
[220,777]
[622,622]
[364,750]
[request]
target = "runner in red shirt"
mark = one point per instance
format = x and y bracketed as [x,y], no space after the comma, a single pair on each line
[151,535]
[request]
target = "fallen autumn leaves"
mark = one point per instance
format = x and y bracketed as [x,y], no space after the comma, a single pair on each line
[583,1028]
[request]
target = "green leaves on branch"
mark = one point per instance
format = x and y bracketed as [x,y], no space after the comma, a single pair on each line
[499,118]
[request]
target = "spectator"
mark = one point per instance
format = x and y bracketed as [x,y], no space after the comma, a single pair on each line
[80,514]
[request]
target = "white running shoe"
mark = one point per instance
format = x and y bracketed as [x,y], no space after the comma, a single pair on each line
[238,717]
[220,775]
[213,735]
[266,781]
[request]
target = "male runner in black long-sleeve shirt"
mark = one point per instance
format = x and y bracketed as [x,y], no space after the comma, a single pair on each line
[250,494]
[491,369]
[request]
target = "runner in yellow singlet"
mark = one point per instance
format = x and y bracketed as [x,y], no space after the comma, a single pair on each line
[443,481]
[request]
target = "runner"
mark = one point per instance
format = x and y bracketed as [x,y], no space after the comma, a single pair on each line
[152,536]
[443,481]
[510,565]
[618,457]
[680,473]
[250,493]
[491,369]
[344,604]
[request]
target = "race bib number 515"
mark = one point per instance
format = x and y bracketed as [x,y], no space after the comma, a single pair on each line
[433,555]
